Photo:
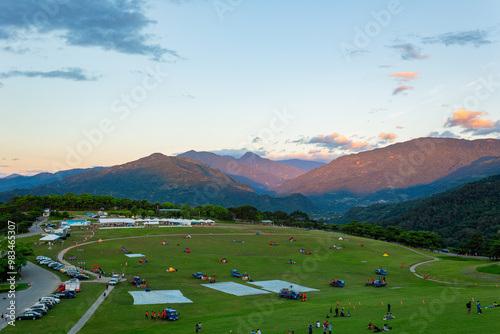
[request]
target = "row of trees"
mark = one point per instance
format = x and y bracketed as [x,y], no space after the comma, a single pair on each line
[25,209]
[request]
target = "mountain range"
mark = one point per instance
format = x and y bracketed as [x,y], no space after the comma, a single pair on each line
[398,172]
[14,181]
[160,178]
[401,171]
[261,174]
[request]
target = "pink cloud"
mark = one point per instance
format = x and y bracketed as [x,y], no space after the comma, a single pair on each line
[405,76]
[401,89]
[336,140]
[312,155]
[387,136]
[471,120]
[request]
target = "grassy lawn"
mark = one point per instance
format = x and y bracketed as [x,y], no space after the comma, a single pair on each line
[19,287]
[454,268]
[491,269]
[419,305]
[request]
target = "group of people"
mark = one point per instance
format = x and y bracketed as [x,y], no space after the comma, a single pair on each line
[342,312]
[377,329]
[326,326]
[157,316]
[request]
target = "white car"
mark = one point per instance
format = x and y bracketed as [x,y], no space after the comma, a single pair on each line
[113,281]
[53,300]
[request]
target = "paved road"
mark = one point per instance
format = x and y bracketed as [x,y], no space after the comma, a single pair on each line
[43,283]
[34,229]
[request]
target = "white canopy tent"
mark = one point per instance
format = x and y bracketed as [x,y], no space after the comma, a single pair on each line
[50,237]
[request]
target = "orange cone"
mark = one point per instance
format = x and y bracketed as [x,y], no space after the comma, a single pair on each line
[359,303]
[475,284]
[382,303]
[401,303]
[337,302]
[349,303]
[423,302]
[472,299]
[354,308]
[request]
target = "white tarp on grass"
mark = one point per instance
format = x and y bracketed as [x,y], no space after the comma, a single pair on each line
[158,297]
[235,288]
[135,255]
[277,285]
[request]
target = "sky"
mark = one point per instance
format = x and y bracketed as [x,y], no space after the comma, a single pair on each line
[101,82]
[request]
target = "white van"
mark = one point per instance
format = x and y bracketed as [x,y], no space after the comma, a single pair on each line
[53,300]
[39,305]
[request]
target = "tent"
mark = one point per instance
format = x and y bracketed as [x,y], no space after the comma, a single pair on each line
[385,254]
[50,237]
[100,240]
[341,238]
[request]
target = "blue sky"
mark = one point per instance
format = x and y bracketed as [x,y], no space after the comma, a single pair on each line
[106,82]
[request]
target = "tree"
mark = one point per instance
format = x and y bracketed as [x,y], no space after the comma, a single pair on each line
[134,211]
[495,249]
[14,255]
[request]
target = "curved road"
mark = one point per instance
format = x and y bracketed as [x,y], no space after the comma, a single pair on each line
[43,283]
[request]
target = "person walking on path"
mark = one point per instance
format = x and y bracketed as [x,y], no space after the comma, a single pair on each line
[388,307]
[107,285]
[479,307]
[469,306]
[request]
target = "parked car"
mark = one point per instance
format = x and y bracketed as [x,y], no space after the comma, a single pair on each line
[51,299]
[47,303]
[81,276]
[65,294]
[29,315]
[113,281]
[37,310]
[54,264]
[74,280]
[37,306]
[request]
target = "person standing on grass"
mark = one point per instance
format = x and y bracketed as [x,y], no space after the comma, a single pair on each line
[146,314]
[469,306]
[330,328]
[310,327]
[388,307]
[478,305]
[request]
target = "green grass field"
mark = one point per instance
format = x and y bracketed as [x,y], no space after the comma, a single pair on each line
[420,306]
